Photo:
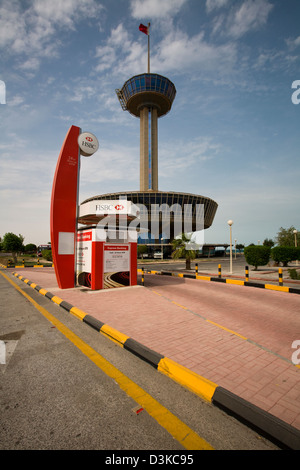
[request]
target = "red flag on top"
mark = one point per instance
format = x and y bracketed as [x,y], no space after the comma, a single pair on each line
[144,29]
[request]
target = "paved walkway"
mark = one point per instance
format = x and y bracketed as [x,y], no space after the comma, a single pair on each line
[236,336]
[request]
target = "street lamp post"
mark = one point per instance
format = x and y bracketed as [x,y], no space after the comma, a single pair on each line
[295,233]
[230,222]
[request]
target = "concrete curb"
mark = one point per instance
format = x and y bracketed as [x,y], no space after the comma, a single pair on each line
[238,282]
[276,430]
[24,266]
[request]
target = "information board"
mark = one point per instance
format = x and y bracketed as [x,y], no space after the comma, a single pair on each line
[84,258]
[116,265]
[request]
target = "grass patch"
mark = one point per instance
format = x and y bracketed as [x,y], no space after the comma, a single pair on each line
[23,260]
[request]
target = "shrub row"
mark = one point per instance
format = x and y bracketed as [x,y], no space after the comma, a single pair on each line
[259,255]
[47,255]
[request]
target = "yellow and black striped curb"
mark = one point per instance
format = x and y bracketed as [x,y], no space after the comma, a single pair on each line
[283,434]
[238,282]
[24,266]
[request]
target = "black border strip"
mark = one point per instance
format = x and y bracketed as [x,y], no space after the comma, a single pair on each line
[143,352]
[66,305]
[254,284]
[93,322]
[291,290]
[268,425]
[49,295]
[218,279]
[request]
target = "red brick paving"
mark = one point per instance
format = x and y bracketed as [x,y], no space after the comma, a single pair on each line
[258,368]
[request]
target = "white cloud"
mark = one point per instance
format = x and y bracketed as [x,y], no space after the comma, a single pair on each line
[246,16]
[215,4]
[274,60]
[179,155]
[65,13]
[119,37]
[250,15]
[30,64]
[155,8]
[33,30]
[82,92]
[21,171]
[178,52]
[297,41]
[293,43]
[121,52]
[106,56]
[11,23]
[115,167]
[118,41]
[15,100]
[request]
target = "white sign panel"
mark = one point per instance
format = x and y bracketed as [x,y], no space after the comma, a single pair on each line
[116,265]
[84,257]
[102,208]
[66,243]
[115,207]
[116,258]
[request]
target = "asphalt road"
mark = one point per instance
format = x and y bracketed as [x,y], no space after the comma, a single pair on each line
[205,264]
[54,397]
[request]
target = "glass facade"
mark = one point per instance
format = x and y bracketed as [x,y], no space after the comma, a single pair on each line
[148,89]
[167,214]
[148,82]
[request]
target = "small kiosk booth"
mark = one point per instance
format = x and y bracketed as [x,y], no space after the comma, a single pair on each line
[102,264]
[107,253]
[103,254]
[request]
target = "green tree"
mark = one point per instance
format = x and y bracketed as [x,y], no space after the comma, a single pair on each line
[284,254]
[142,249]
[30,248]
[286,237]
[268,242]
[184,248]
[257,255]
[47,255]
[12,243]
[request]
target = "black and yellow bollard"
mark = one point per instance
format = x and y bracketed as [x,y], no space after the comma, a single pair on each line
[143,277]
[219,271]
[196,268]
[246,273]
[280,277]
[24,262]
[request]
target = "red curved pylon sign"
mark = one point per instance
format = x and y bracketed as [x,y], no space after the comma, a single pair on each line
[63,213]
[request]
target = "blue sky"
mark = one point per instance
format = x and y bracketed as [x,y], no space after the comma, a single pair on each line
[233,131]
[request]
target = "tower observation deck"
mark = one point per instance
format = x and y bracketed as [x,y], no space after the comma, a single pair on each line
[147,96]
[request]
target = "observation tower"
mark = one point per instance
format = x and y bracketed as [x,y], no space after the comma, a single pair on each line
[149,96]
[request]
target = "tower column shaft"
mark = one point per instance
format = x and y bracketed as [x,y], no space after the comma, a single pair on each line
[148,149]
[154,150]
[144,149]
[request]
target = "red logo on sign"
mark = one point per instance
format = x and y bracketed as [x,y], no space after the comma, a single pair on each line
[89,139]
[119,207]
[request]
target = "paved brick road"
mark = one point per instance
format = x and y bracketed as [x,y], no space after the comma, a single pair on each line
[238,337]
